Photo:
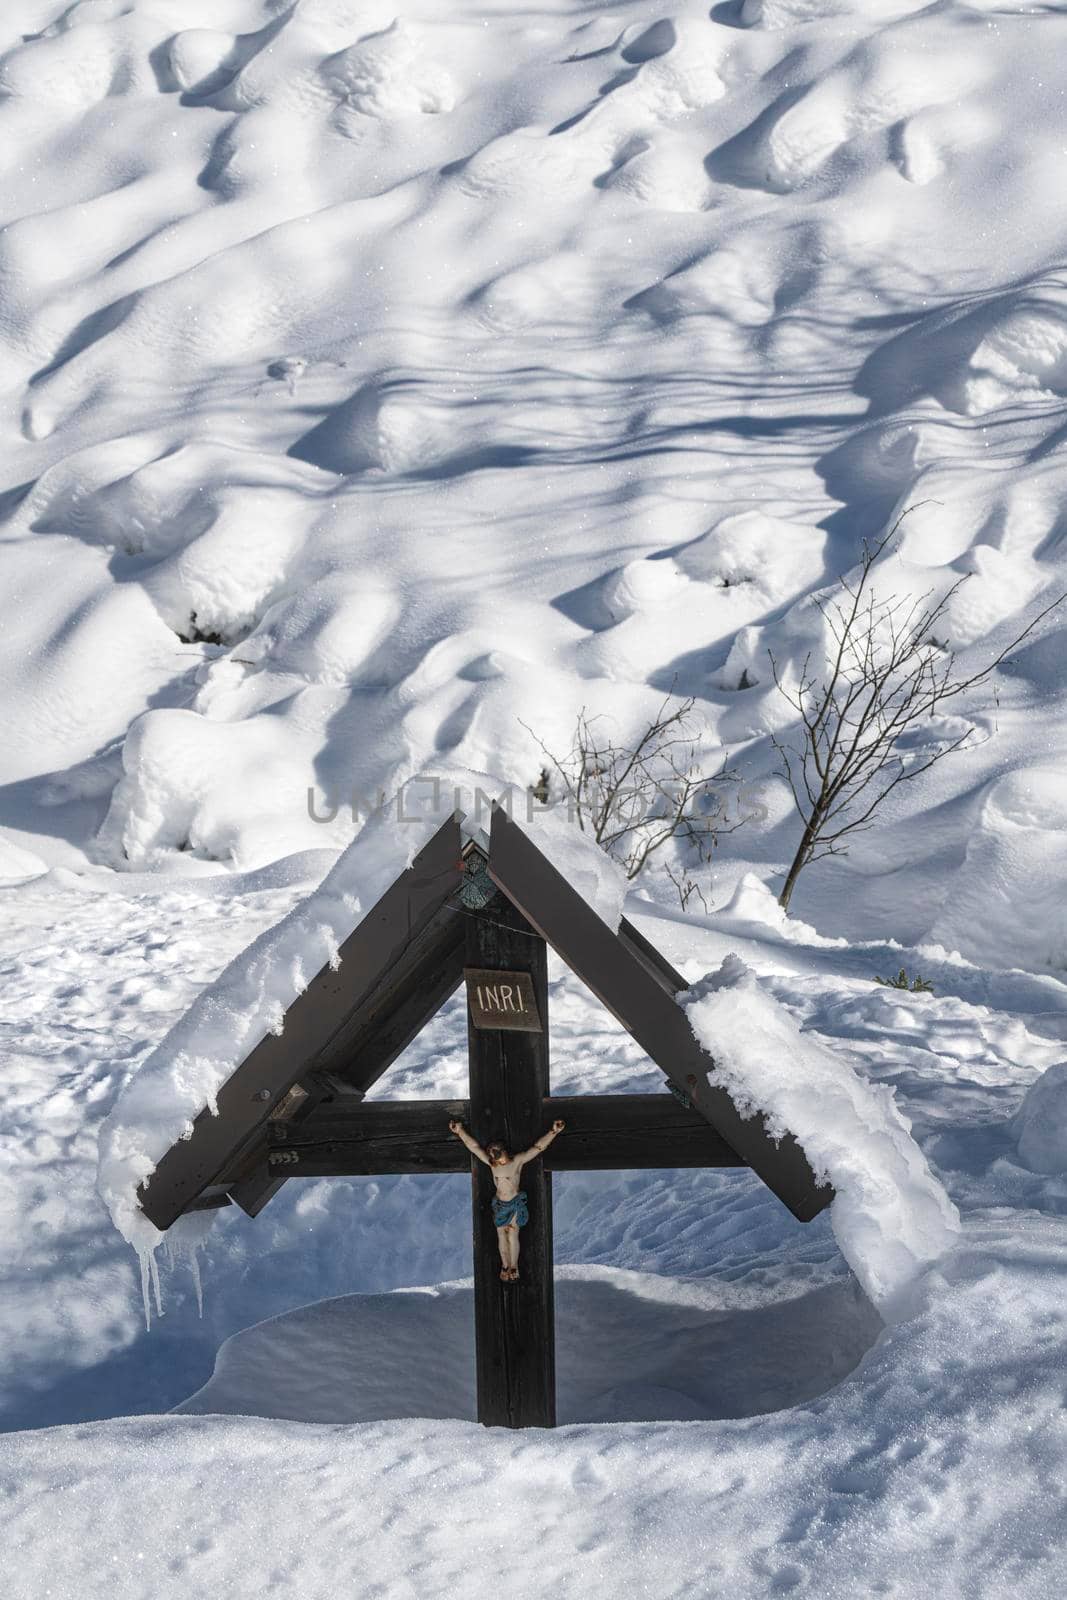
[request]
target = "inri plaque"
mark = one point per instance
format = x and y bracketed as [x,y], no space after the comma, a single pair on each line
[502,1000]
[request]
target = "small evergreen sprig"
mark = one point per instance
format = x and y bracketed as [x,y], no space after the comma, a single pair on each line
[916,986]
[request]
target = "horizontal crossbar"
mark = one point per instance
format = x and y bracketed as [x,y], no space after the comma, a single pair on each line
[615,1132]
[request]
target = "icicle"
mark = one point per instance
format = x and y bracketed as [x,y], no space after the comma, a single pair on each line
[194,1268]
[142,1256]
[181,1244]
[184,1242]
[146,1255]
[154,1268]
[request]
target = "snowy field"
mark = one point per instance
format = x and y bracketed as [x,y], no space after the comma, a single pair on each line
[383,380]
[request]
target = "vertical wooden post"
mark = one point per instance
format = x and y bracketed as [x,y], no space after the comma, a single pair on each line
[509,1078]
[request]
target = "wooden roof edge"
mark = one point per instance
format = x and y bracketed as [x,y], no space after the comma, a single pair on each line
[610,965]
[260,1082]
[646,951]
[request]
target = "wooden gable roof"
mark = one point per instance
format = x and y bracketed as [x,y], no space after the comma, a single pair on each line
[641,990]
[395,971]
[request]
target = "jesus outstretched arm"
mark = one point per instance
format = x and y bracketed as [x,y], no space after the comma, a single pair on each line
[542,1144]
[472,1144]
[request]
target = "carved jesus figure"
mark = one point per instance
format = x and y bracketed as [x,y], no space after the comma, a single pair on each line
[509,1203]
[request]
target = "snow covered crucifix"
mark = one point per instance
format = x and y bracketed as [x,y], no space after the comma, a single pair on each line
[482,913]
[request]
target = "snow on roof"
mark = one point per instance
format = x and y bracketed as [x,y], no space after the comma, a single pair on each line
[891,1217]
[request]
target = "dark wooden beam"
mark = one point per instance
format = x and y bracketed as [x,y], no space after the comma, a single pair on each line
[604,1133]
[316,1016]
[620,978]
[425,974]
[210,1200]
[385,1137]
[258,1188]
[666,975]
[625,1132]
[514,1323]
[248,1179]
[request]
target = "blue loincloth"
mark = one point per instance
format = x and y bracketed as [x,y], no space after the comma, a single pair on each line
[506,1212]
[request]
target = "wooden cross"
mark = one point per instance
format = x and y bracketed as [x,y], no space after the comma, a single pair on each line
[295,1106]
[510,1102]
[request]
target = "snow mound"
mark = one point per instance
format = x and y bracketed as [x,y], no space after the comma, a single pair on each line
[754,906]
[953,1425]
[677,1350]
[881,83]
[202,60]
[779,558]
[974,358]
[794,13]
[1023,356]
[17,865]
[891,1217]
[1006,906]
[1040,1124]
[387,75]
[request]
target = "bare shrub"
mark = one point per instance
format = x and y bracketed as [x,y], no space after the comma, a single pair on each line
[633,798]
[887,673]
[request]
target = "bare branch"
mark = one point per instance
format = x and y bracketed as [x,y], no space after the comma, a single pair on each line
[885,674]
[635,798]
